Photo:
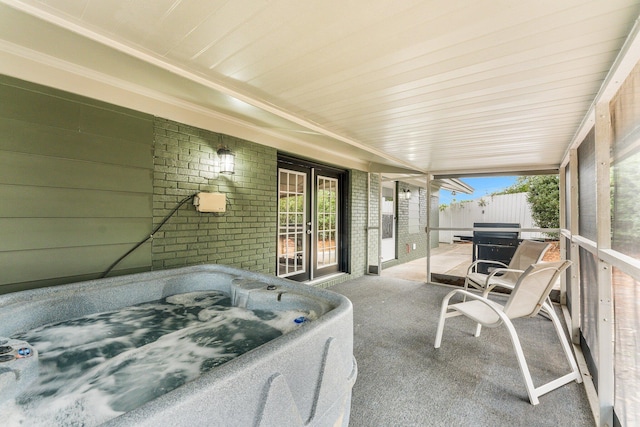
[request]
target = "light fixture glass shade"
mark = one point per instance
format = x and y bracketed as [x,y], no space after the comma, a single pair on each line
[407,194]
[227,161]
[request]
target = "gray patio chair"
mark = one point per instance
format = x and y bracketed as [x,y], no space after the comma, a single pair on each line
[527,253]
[527,298]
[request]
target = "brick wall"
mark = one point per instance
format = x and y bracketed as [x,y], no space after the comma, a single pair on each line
[245,236]
[358,213]
[185,162]
[146,167]
[408,237]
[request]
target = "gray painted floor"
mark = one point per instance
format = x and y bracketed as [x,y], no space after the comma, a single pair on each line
[403,381]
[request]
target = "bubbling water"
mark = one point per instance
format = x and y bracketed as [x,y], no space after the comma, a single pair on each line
[97,367]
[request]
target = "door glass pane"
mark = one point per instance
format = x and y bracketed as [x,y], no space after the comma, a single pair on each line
[327,227]
[388,208]
[291,222]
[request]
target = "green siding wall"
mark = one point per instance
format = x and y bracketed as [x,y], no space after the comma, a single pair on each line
[82,182]
[76,183]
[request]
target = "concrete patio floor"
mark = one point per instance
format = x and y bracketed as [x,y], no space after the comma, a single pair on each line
[447,259]
[404,381]
[449,263]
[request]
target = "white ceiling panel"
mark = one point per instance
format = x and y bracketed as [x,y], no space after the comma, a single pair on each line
[441,86]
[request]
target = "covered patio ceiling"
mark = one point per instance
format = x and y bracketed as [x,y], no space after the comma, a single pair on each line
[443,86]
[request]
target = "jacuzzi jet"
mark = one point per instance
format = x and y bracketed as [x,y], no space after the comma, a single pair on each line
[19,368]
[271,287]
[24,352]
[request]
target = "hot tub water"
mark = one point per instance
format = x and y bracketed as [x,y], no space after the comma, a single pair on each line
[166,332]
[99,366]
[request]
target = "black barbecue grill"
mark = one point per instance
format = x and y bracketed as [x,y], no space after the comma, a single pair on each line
[494,245]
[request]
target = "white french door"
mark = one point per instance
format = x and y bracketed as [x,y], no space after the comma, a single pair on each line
[309,222]
[293,227]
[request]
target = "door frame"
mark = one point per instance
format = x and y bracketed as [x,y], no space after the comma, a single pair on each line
[313,171]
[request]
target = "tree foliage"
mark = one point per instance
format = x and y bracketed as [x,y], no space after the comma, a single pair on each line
[520,186]
[292,210]
[543,196]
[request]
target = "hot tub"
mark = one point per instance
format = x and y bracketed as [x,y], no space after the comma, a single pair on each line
[303,377]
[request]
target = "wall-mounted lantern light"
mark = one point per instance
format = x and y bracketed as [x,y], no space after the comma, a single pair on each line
[227,161]
[406,194]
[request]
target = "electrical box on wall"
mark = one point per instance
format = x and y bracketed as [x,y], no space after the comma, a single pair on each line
[210,202]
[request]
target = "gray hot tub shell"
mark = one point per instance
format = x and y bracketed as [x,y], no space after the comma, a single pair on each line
[303,378]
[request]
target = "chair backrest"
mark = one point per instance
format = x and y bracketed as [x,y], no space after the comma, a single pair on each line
[533,288]
[528,252]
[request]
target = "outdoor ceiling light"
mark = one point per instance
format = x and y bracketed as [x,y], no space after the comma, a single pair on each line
[227,161]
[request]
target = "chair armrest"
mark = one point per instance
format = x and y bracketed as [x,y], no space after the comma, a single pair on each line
[489,286]
[502,271]
[474,264]
[445,300]
[497,308]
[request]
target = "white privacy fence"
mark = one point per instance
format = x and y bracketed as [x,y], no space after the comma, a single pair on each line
[509,208]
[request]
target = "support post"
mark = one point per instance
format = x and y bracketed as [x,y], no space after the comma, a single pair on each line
[562,175]
[605,295]
[574,248]
[428,230]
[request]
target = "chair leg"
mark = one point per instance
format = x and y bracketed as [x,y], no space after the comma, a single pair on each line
[544,313]
[574,375]
[443,316]
[478,330]
[485,294]
[466,288]
[566,347]
[524,368]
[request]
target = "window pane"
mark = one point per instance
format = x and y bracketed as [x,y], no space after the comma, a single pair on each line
[291,218]
[327,214]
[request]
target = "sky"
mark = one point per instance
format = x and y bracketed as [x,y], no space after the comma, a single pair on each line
[482,187]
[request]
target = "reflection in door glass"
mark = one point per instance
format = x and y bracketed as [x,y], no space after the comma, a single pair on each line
[327,209]
[388,211]
[291,222]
